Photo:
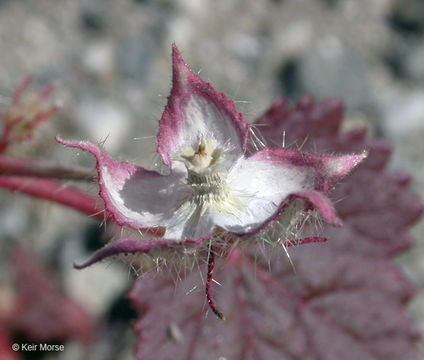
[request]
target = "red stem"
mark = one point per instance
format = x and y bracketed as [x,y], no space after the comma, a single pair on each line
[55,192]
[37,168]
[211,266]
[3,146]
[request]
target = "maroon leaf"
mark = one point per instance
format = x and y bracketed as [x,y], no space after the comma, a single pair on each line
[6,352]
[40,311]
[275,315]
[346,299]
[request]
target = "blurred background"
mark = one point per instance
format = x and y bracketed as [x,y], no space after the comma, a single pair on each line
[110,63]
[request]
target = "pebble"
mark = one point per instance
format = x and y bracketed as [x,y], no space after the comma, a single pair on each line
[102,120]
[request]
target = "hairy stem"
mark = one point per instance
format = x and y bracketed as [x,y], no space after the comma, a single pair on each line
[211,266]
[56,192]
[43,169]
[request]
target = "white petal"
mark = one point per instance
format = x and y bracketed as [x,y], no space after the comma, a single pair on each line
[134,196]
[196,112]
[190,222]
[257,190]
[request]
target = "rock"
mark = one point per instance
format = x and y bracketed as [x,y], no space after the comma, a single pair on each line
[134,57]
[99,58]
[104,120]
[414,63]
[403,112]
[93,22]
[289,79]
[331,69]
[95,288]
[407,17]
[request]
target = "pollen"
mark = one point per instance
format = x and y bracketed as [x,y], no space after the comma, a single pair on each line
[201,159]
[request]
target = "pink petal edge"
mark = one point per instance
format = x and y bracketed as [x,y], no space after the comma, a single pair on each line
[327,171]
[185,84]
[121,171]
[133,246]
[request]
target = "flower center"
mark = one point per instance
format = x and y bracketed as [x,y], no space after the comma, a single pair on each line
[207,182]
[207,188]
[201,159]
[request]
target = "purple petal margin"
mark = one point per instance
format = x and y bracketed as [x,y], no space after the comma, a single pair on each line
[134,246]
[308,240]
[184,85]
[320,202]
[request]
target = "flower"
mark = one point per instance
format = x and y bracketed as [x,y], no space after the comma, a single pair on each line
[211,184]
[27,112]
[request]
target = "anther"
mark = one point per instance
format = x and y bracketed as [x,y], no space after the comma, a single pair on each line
[201,150]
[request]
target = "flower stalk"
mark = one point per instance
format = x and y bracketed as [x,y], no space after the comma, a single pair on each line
[43,169]
[56,192]
[211,267]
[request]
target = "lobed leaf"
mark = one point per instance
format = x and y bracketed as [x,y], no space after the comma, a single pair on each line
[346,299]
